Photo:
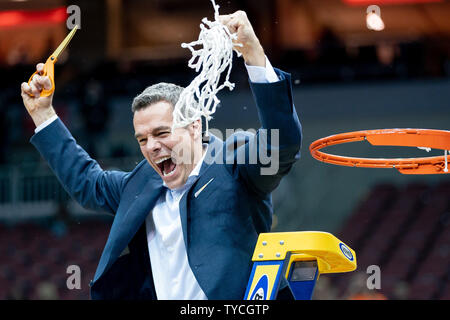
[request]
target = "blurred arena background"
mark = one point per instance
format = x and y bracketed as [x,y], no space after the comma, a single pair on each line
[345,78]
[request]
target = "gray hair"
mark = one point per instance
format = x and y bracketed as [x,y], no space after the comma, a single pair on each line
[162,91]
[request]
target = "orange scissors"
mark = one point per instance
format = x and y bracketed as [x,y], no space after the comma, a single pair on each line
[49,66]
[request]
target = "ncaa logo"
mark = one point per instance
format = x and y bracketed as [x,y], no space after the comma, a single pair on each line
[261,288]
[346,251]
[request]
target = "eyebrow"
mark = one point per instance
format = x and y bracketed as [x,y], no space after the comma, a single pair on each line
[155,130]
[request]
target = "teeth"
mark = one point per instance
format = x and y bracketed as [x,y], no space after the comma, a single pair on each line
[161,160]
[170,173]
[164,159]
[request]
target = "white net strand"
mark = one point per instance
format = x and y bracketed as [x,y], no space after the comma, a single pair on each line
[424,148]
[445,156]
[199,98]
[446,162]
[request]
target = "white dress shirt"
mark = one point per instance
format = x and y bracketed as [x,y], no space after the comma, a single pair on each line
[172,274]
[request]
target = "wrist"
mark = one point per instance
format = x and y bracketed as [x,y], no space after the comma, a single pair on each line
[255,56]
[41,116]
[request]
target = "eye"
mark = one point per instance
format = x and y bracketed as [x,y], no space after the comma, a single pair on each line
[142,141]
[162,133]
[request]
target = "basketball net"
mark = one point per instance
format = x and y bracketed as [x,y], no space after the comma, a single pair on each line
[214,57]
[445,156]
[446,161]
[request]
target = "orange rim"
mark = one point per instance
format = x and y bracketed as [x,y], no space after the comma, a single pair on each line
[429,138]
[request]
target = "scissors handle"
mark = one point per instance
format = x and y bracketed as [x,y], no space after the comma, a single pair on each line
[49,71]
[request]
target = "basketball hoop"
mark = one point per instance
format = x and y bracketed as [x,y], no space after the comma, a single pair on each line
[421,138]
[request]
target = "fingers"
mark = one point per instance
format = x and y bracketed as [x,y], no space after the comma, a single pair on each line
[25,91]
[40,68]
[46,83]
[43,81]
[25,88]
[225,20]
[238,14]
[233,21]
[38,83]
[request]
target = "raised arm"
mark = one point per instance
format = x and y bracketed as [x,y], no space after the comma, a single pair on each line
[264,158]
[81,176]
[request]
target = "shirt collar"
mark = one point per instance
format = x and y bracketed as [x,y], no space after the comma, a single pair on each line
[196,170]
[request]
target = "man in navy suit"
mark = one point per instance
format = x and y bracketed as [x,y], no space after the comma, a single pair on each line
[185,226]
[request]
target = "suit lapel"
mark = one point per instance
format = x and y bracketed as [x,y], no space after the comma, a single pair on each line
[214,149]
[184,216]
[138,212]
[130,222]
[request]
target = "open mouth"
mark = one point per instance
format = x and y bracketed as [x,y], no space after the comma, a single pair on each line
[166,166]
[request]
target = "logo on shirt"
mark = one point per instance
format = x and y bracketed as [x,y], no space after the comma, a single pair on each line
[261,288]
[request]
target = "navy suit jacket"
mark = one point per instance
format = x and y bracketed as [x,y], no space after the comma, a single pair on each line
[220,225]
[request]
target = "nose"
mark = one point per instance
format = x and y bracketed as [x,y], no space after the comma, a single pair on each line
[153,146]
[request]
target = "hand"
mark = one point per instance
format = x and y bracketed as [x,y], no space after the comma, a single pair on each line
[252,51]
[39,108]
